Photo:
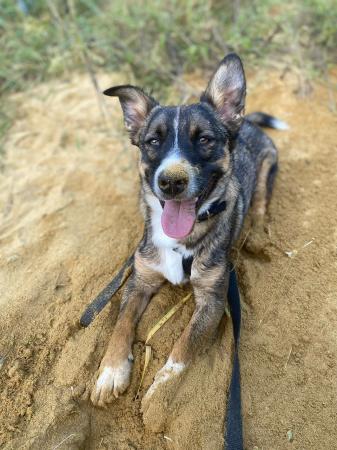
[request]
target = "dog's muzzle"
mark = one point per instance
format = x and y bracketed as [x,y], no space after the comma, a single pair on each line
[173,181]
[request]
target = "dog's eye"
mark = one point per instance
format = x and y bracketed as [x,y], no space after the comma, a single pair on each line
[154,142]
[205,140]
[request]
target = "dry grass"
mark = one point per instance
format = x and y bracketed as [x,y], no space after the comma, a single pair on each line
[155,42]
[153,331]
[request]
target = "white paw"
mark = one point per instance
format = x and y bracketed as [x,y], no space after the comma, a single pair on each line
[111,382]
[170,370]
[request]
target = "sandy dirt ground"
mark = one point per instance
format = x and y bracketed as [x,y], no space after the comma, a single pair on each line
[69,218]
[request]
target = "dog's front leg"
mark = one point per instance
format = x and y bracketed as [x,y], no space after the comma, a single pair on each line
[115,368]
[210,291]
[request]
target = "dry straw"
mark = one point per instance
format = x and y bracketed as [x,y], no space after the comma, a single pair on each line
[153,331]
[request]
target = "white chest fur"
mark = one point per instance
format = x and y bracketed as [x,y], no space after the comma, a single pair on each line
[171,252]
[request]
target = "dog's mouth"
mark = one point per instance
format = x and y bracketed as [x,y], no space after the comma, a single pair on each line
[179,216]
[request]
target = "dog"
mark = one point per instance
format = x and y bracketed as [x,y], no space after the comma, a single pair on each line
[201,166]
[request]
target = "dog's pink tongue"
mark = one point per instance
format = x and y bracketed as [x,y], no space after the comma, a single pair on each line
[178,218]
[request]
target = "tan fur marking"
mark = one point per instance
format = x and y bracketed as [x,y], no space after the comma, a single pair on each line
[259,203]
[224,162]
[144,271]
[177,171]
[142,167]
[200,230]
[206,278]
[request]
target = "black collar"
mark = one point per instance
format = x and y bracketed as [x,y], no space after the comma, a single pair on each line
[213,210]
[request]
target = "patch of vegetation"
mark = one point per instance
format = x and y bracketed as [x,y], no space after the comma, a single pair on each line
[5,123]
[155,41]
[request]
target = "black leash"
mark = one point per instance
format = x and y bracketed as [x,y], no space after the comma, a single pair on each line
[233,425]
[105,295]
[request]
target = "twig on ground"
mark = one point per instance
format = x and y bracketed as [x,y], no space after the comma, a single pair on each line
[289,354]
[63,441]
[166,317]
[153,331]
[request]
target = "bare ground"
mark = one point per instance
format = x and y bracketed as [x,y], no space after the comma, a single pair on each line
[70,218]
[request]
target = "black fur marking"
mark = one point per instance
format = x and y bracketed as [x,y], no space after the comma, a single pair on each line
[187,265]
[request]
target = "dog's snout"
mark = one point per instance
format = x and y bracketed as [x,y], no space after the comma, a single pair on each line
[173,183]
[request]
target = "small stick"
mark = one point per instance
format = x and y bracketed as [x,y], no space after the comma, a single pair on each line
[166,317]
[63,441]
[291,349]
[153,331]
[148,353]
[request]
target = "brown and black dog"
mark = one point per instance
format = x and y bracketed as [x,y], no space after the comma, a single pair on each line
[201,167]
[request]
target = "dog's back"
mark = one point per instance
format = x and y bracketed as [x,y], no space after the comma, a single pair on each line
[252,147]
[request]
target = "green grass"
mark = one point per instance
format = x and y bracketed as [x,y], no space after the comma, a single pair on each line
[155,41]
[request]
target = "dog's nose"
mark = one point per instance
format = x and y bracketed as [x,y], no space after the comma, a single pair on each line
[172,184]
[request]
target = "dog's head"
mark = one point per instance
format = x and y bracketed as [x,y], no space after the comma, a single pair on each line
[186,150]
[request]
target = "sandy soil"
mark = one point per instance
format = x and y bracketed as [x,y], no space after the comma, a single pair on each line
[69,218]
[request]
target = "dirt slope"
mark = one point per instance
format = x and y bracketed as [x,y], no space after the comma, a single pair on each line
[69,218]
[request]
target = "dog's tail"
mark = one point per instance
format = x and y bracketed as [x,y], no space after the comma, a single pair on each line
[265,120]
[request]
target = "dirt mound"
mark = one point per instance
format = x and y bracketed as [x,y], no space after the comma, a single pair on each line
[70,218]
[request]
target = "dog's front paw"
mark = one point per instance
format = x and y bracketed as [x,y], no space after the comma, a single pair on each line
[112,381]
[166,373]
[156,401]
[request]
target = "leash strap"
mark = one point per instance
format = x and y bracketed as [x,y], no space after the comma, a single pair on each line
[233,425]
[105,295]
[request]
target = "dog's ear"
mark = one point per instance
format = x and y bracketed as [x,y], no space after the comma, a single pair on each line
[226,91]
[136,106]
